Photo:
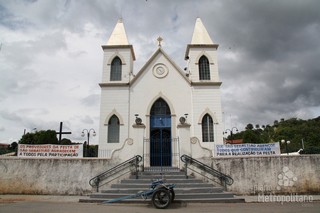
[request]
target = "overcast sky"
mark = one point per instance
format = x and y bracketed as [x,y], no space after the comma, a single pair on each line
[51,57]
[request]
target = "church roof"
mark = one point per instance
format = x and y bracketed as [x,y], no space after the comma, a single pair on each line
[200,34]
[160,51]
[200,38]
[118,36]
[118,39]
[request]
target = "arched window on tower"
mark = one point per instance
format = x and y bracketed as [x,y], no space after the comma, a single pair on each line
[116,69]
[204,68]
[113,129]
[207,129]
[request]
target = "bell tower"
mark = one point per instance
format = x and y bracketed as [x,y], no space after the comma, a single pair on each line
[201,53]
[118,57]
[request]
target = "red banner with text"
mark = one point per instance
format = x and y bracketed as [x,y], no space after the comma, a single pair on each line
[50,151]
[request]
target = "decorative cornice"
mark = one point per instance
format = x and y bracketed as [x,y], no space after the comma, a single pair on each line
[105,47]
[206,83]
[139,126]
[189,46]
[185,125]
[203,45]
[114,85]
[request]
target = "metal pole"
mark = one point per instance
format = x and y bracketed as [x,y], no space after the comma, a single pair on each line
[231,137]
[88,134]
[88,137]
[178,143]
[186,169]
[143,153]
[136,167]
[161,151]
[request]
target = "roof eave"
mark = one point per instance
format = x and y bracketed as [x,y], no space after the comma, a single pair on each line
[115,84]
[104,47]
[152,58]
[206,83]
[215,46]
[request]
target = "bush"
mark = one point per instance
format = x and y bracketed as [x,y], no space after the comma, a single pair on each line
[311,150]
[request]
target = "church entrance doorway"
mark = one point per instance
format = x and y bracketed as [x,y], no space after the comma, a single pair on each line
[160,134]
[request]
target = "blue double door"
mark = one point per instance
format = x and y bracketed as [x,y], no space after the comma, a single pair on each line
[160,134]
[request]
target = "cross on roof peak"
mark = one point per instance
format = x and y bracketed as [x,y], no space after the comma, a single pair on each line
[159,39]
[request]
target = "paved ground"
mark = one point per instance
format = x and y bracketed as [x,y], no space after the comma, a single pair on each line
[69,204]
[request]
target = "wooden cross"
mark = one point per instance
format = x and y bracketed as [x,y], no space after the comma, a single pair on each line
[60,133]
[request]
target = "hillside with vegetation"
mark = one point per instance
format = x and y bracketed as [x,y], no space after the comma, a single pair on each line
[302,134]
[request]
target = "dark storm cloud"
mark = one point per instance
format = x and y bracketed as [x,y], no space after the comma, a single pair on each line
[60,14]
[8,20]
[268,54]
[276,70]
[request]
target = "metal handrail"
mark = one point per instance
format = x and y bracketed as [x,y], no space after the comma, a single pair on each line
[224,179]
[97,180]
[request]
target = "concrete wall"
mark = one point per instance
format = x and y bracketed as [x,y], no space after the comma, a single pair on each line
[49,176]
[254,175]
[275,175]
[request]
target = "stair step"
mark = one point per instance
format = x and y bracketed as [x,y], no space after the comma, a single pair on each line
[177,196]
[165,176]
[147,185]
[161,169]
[202,200]
[186,190]
[176,190]
[146,181]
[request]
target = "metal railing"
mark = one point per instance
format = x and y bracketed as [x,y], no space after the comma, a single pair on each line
[224,179]
[113,173]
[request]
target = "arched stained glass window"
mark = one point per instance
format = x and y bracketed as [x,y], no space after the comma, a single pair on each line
[160,107]
[116,69]
[207,129]
[113,130]
[204,68]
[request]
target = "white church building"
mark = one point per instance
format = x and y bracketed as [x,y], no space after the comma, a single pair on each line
[163,111]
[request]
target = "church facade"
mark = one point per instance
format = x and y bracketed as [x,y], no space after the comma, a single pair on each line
[162,111]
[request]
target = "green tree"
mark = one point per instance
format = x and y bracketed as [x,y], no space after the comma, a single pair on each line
[47,137]
[251,136]
[311,150]
[65,141]
[28,138]
[294,130]
[8,149]
[249,127]
[40,137]
[13,147]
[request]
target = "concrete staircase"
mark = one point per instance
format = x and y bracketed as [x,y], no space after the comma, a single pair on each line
[186,190]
